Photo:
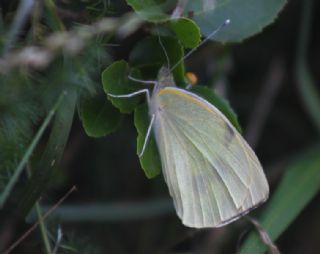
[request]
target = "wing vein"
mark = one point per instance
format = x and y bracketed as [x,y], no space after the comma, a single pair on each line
[214,166]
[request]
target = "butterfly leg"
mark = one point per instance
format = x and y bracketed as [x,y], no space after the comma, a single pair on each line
[147,135]
[146,91]
[148,82]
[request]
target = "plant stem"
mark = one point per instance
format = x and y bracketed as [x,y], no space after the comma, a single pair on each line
[43,229]
[42,225]
[306,84]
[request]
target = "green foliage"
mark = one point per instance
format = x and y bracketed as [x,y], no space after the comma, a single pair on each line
[150,159]
[187,31]
[19,111]
[152,10]
[26,157]
[99,117]
[44,168]
[115,81]
[248,17]
[150,63]
[296,189]
[308,91]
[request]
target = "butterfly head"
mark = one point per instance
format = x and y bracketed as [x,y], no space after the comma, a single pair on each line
[165,78]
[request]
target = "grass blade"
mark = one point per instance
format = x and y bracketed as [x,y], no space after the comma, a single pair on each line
[298,186]
[52,154]
[308,91]
[29,151]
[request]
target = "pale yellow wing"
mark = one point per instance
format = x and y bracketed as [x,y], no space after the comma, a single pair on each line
[213,175]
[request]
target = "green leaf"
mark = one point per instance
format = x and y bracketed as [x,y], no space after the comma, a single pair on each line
[150,160]
[187,31]
[150,63]
[115,81]
[98,116]
[44,168]
[248,17]
[219,103]
[153,10]
[296,189]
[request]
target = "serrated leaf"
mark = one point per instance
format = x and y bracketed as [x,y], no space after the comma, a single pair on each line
[219,102]
[150,160]
[115,81]
[150,63]
[187,31]
[98,116]
[296,189]
[248,17]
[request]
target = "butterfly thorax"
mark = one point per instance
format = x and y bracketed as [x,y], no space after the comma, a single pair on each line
[165,79]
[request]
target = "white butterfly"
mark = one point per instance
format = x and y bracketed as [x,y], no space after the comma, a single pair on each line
[212,174]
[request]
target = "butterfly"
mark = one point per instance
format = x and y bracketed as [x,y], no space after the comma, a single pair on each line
[213,175]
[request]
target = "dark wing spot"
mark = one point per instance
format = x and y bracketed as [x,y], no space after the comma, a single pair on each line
[229,134]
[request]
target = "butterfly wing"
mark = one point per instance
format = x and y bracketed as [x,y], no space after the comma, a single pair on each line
[212,174]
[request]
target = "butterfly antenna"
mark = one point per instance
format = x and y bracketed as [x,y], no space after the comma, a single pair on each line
[164,50]
[226,22]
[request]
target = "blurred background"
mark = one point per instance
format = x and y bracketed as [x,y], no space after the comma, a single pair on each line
[115,208]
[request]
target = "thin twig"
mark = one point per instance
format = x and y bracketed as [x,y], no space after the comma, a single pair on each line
[34,226]
[264,236]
